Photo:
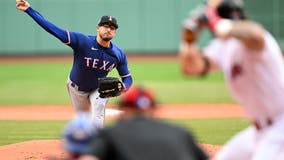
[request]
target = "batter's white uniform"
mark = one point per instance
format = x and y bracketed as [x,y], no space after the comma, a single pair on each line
[256,80]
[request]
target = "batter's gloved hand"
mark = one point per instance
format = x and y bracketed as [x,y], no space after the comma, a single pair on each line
[196,18]
[194,23]
[110,87]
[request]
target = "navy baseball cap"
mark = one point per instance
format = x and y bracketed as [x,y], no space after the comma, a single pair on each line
[79,133]
[110,20]
[138,97]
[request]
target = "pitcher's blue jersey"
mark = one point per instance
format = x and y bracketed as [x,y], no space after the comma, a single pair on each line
[91,60]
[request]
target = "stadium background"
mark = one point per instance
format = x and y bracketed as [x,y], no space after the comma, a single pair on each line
[146,26]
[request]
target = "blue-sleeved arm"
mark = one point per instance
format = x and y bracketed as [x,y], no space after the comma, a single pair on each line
[127,81]
[124,71]
[59,33]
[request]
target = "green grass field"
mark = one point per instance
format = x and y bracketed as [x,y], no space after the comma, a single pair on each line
[210,131]
[45,84]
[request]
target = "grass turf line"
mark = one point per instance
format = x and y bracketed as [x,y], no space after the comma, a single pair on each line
[210,131]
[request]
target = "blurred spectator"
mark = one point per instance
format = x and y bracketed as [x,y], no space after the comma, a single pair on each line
[138,136]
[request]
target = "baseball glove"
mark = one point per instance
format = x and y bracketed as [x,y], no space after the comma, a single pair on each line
[109,87]
[194,23]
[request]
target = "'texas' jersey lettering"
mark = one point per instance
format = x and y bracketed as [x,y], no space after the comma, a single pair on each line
[95,63]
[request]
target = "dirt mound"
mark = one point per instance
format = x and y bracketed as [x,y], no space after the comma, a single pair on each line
[44,149]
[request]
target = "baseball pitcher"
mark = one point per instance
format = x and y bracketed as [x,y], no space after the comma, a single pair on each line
[94,57]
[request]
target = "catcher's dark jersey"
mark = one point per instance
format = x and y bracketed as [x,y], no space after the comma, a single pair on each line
[143,138]
[91,60]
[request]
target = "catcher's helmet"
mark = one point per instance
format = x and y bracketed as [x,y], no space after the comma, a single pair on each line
[231,9]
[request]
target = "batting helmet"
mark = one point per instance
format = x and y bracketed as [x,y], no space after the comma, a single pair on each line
[231,9]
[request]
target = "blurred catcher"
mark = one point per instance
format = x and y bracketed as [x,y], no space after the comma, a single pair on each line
[94,57]
[138,136]
[253,68]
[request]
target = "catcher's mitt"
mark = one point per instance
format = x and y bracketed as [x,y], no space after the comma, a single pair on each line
[109,87]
